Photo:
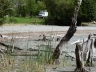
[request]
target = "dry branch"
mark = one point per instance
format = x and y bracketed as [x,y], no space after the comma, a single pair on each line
[9,46]
[39,50]
[95,43]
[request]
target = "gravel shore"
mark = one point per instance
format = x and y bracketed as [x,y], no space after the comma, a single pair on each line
[27,36]
[40,28]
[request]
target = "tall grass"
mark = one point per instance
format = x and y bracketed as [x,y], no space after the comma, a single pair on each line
[31,63]
[22,20]
[27,63]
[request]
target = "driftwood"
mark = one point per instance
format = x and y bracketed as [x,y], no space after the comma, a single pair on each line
[24,54]
[89,61]
[87,53]
[68,35]
[79,64]
[88,49]
[30,49]
[9,46]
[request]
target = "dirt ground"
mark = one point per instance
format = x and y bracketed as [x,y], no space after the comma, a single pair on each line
[35,30]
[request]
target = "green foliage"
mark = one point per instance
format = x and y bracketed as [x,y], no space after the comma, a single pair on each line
[5,9]
[40,6]
[31,7]
[23,11]
[20,8]
[88,10]
[28,7]
[60,11]
[21,20]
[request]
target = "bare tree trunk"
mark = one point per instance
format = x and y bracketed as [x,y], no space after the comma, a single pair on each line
[79,63]
[88,52]
[69,34]
[95,43]
[89,61]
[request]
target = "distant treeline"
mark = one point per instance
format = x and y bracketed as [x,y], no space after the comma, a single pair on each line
[60,11]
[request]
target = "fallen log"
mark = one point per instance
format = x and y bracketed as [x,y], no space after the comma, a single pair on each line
[9,46]
[30,49]
[24,54]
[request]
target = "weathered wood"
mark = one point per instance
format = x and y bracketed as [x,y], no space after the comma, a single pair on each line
[89,61]
[23,54]
[39,50]
[95,43]
[87,47]
[9,46]
[79,63]
[69,34]
[88,52]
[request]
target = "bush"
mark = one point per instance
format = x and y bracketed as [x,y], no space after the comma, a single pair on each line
[60,11]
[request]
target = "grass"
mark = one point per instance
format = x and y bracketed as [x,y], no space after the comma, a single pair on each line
[22,20]
[88,23]
[28,63]
[85,24]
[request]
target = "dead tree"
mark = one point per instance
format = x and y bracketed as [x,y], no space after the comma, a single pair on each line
[79,63]
[68,35]
[90,51]
[88,42]
[95,43]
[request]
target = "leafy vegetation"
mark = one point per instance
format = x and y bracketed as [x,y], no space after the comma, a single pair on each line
[60,11]
[22,20]
[26,63]
[5,8]
[88,10]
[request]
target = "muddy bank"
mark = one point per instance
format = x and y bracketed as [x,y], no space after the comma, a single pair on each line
[40,28]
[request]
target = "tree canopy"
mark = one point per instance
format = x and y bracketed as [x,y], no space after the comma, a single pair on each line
[59,11]
[5,8]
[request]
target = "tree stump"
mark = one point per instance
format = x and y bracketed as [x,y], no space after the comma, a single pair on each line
[79,63]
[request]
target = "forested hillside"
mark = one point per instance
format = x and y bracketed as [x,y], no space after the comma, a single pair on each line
[60,11]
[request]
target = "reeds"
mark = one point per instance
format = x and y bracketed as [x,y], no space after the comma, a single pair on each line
[25,62]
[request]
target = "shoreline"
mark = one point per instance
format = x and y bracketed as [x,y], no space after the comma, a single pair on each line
[43,28]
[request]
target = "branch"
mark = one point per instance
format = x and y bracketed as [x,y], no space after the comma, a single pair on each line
[7,10]
[9,46]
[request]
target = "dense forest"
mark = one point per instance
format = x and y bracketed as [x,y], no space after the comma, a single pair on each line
[60,11]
